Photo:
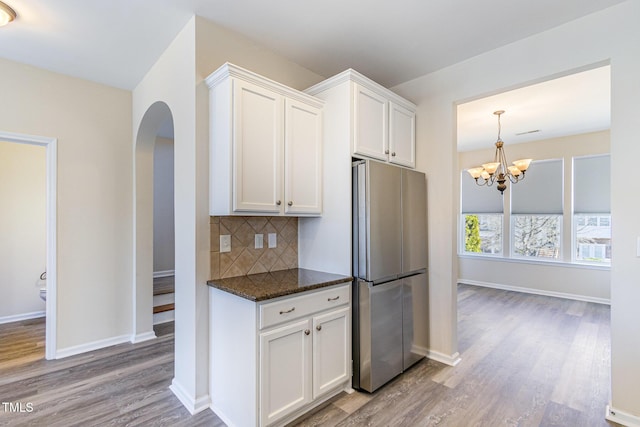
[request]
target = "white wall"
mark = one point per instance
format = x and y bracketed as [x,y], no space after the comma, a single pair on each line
[177,79]
[608,36]
[92,123]
[573,281]
[163,218]
[22,230]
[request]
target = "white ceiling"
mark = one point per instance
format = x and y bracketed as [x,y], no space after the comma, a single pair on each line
[115,42]
[577,103]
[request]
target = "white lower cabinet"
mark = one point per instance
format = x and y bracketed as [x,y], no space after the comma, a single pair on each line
[285,370]
[331,350]
[271,362]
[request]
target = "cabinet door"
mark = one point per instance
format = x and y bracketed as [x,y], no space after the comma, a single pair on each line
[331,350]
[303,159]
[402,136]
[257,150]
[370,123]
[285,370]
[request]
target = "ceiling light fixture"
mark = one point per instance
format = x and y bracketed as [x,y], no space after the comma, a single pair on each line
[6,14]
[498,170]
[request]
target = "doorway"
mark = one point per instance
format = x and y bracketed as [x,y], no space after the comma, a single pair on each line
[156,125]
[163,227]
[50,147]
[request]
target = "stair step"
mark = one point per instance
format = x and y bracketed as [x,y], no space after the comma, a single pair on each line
[163,285]
[163,308]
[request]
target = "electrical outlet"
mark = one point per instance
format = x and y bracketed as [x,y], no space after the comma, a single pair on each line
[273,241]
[259,243]
[225,243]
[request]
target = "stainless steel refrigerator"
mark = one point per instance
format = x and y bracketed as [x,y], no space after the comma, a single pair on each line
[389,267]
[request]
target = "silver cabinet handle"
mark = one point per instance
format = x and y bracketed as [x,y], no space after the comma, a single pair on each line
[290,203]
[288,311]
[278,203]
[386,151]
[333,299]
[393,154]
[307,332]
[319,328]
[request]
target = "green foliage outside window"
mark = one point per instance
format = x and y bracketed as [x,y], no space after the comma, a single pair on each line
[472,242]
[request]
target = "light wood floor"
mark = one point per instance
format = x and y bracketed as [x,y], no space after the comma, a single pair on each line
[526,361]
[127,384]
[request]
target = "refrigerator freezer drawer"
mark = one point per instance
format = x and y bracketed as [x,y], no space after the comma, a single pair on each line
[380,319]
[414,319]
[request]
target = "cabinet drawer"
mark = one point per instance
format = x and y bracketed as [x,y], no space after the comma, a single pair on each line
[303,305]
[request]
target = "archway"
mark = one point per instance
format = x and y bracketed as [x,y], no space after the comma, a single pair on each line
[154,118]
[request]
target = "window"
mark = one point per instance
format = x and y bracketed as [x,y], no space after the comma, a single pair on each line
[483,233]
[592,218]
[535,223]
[537,235]
[593,238]
[536,212]
[481,218]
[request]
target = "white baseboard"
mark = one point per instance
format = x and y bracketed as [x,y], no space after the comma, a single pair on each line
[575,297]
[451,360]
[95,345]
[194,406]
[23,316]
[164,273]
[145,336]
[220,414]
[423,351]
[621,417]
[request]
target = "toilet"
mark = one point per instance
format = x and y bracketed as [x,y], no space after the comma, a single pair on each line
[42,283]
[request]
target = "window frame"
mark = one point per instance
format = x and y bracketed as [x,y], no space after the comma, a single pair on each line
[512,249]
[574,238]
[462,237]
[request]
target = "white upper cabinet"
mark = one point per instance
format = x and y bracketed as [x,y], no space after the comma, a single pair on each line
[303,158]
[378,123]
[402,135]
[257,148]
[265,146]
[370,133]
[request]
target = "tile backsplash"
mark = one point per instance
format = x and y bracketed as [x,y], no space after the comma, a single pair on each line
[244,258]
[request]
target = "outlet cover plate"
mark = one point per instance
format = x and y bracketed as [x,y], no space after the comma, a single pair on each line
[225,243]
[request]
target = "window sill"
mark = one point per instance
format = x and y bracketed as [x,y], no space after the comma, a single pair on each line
[559,263]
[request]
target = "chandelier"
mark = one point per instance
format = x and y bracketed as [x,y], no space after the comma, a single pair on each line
[498,171]
[6,14]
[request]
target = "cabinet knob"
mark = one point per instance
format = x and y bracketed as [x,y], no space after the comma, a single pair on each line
[393,154]
[307,332]
[278,203]
[290,203]
[386,151]
[319,328]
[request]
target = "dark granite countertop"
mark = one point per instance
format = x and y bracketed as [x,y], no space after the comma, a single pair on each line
[264,286]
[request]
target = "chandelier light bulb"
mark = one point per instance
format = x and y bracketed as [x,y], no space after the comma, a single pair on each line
[6,14]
